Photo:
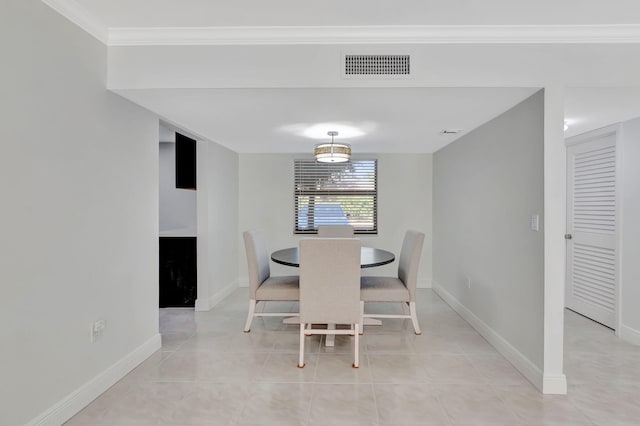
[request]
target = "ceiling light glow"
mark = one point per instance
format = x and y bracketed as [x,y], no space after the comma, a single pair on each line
[347,130]
[320,130]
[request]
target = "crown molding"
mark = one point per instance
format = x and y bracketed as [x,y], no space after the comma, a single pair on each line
[405,34]
[77,14]
[381,34]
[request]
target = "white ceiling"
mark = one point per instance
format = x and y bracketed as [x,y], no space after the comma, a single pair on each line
[391,119]
[585,109]
[592,108]
[407,120]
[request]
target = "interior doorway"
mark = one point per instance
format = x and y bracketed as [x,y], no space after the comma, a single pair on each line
[592,225]
[177,220]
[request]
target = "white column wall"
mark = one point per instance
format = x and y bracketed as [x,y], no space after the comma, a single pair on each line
[218,190]
[555,217]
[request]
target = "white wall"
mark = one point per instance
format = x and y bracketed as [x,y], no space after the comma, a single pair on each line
[404,202]
[178,209]
[317,65]
[79,218]
[217,193]
[486,187]
[630,271]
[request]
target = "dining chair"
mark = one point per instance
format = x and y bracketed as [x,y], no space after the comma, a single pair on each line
[329,288]
[335,231]
[397,289]
[262,286]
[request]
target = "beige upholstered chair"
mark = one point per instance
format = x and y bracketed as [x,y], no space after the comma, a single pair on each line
[397,289]
[329,288]
[262,286]
[335,231]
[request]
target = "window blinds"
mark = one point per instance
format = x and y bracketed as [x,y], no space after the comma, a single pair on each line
[335,194]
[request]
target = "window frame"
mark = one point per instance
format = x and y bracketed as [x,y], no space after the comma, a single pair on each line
[312,165]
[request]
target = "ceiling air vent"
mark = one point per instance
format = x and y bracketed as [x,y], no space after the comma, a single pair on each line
[377,65]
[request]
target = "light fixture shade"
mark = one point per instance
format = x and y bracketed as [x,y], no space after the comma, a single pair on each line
[332,152]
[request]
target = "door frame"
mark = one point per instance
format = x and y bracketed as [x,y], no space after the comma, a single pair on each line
[616,130]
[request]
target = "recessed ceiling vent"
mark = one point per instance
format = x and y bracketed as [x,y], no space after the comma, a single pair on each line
[377,65]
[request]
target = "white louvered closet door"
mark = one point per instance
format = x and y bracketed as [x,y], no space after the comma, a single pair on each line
[592,258]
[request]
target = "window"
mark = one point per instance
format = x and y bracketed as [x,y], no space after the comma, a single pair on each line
[336,194]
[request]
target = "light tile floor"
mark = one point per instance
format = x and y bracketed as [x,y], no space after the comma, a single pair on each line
[211,373]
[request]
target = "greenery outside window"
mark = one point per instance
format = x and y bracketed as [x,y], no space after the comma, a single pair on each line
[336,194]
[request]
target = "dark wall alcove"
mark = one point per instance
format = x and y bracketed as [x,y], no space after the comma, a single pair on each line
[178,266]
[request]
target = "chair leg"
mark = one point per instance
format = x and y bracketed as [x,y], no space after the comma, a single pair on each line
[414,317]
[330,337]
[252,310]
[301,358]
[407,315]
[361,317]
[356,356]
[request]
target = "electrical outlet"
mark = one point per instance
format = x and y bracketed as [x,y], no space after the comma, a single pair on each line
[535,222]
[97,328]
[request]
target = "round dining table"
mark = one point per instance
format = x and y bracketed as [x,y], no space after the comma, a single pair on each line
[369,257]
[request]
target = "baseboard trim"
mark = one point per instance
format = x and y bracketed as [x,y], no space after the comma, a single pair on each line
[554,384]
[81,397]
[202,305]
[424,284]
[629,334]
[528,369]
[207,304]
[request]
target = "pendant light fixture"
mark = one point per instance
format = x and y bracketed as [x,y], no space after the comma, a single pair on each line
[332,152]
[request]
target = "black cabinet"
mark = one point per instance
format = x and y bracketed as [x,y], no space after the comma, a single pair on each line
[178,279]
[185,162]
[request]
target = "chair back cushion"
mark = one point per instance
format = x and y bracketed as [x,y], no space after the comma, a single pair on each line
[335,231]
[257,261]
[410,261]
[330,280]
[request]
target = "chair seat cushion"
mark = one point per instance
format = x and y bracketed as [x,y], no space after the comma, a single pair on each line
[279,288]
[383,289]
